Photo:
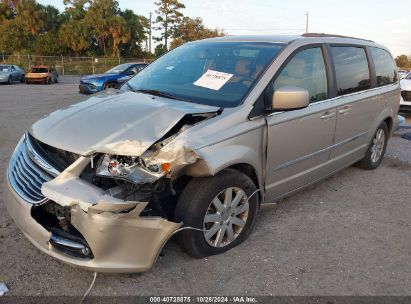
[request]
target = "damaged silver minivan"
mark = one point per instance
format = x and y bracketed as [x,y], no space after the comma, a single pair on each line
[195,143]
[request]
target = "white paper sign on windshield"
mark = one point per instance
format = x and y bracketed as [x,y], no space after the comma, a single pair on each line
[213,80]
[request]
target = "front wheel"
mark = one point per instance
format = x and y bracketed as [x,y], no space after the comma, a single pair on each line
[10,81]
[376,149]
[108,85]
[222,207]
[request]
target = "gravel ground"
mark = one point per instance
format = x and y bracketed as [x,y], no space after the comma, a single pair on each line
[348,235]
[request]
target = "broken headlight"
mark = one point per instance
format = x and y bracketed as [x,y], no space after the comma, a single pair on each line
[131,169]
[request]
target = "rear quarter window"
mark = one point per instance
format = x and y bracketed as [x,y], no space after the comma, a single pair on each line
[385,69]
[351,69]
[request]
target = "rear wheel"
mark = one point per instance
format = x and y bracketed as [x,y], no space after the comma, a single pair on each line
[222,207]
[23,79]
[376,149]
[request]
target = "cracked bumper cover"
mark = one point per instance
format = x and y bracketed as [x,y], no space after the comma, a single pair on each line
[120,241]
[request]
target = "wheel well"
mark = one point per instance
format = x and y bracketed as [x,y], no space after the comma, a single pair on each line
[247,170]
[108,83]
[389,121]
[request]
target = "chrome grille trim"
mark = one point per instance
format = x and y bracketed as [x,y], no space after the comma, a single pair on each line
[25,175]
[38,159]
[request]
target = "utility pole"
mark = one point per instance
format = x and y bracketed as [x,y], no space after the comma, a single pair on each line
[306,22]
[149,34]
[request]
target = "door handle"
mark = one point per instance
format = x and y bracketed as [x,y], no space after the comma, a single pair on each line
[345,110]
[327,115]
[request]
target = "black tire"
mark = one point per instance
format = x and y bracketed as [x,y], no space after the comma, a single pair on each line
[194,202]
[367,162]
[109,85]
[10,81]
[23,79]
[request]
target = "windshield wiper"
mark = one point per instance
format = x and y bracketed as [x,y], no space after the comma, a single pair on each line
[153,92]
[158,93]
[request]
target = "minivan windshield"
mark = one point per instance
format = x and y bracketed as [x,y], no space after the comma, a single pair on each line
[211,73]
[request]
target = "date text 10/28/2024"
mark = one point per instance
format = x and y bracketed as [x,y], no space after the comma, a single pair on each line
[203,299]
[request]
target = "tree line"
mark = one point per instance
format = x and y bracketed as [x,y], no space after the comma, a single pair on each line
[403,62]
[95,28]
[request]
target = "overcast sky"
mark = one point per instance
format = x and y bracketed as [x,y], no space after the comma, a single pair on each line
[386,22]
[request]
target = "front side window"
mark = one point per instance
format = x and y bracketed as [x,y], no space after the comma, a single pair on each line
[385,69]
[306,70]
[212,73]
[351,69]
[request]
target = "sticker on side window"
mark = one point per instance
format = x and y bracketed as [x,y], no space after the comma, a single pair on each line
[213,80]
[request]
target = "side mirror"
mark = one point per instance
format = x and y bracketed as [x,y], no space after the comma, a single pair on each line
[290,98]
[130,73]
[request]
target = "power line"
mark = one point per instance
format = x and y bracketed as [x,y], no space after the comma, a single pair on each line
[149,34]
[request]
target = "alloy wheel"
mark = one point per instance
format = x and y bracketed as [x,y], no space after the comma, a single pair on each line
[226,217]
[378,145]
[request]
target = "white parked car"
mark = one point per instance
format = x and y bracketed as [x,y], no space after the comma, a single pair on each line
[402,73]
[405,103]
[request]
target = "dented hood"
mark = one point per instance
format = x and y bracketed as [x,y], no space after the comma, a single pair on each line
[124,123]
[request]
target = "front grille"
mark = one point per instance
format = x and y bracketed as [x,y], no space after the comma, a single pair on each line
[406,95]
[26,172]
[86,83]
[51,159]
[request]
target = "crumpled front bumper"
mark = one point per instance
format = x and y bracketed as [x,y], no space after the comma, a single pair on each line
[120,240]
[36,79]
[88,88]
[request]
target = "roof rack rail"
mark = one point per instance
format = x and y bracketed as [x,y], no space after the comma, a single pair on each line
[332,36]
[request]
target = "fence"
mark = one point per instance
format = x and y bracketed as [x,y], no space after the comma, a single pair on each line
[66,65]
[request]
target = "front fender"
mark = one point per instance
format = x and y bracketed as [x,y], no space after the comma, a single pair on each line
[246,148]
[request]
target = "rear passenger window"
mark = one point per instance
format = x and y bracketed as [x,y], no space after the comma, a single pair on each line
[351,69]
[385,69]
[306,70]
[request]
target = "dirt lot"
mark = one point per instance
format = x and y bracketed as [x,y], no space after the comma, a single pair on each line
[348,235]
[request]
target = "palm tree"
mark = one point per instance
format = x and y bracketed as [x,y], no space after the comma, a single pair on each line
[75,35]
[98,17]
[119,32]
[29,16]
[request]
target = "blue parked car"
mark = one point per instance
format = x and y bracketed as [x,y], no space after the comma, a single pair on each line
[95,83]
